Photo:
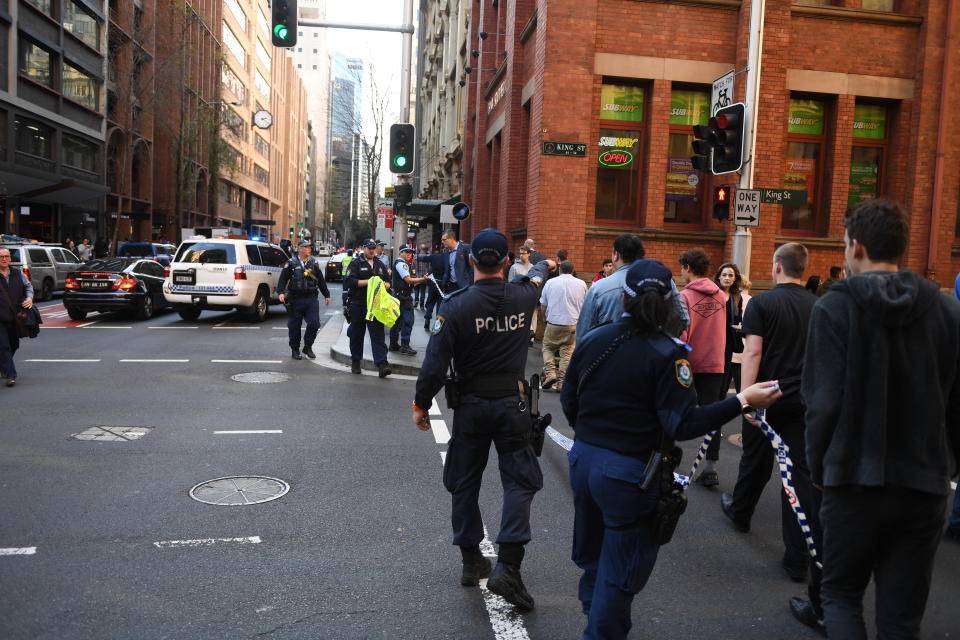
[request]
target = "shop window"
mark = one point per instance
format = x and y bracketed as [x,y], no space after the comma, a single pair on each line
[80,87]
[880,5]
[81,24]
[685,185]
[34,138]
[618,162]
[804,163]
[869,149]
[36,63]
[44,5]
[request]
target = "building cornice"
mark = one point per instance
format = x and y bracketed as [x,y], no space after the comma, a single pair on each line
[856,15]
[717,4]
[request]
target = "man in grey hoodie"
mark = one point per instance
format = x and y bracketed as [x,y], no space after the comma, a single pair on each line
[882,390]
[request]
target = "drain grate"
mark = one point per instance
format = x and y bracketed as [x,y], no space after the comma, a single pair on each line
[108,433]
[239,490]
[261,377]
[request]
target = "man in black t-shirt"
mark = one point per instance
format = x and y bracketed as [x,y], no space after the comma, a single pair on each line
[775,325]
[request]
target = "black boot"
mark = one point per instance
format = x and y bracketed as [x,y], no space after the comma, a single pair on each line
[426,324]
[308,351]
[394,346]
[406,350]
[475,567]
[806,613]
[505,581]
[354,366]
[295,353]
[384,369]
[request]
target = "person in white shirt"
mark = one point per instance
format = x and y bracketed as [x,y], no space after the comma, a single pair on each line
[84,250]
[562,298]
[522,266]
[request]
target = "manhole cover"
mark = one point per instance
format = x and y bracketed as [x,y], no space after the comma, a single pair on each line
[239,490]
[736,440]
[261,377]
[107,433]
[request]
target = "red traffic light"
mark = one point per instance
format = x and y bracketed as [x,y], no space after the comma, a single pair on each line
[722,194]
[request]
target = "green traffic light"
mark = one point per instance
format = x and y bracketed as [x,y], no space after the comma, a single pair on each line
[280,31]
[400,161]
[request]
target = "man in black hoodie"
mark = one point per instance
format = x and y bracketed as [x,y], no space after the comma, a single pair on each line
[882,391]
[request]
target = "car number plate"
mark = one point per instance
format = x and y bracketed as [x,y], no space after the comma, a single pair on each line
[183,278]
[97,284]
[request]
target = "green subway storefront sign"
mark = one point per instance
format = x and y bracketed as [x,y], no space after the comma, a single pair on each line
[621,102]
[806,117]
[870,122]
[689,107]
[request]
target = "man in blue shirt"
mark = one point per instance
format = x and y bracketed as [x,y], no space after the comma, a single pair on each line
[459,274]
[604,301]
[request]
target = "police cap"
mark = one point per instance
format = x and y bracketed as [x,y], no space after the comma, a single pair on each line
[303,243]
[489,247]
[369,243]
[647,274]
[407,249]
[381,243]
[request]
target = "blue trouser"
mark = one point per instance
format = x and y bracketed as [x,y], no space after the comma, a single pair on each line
[9,342]
[476,423]
[303,308]
[358,325]
[433,298]
[955,514]
[420,292]
[613,536]
[403,326]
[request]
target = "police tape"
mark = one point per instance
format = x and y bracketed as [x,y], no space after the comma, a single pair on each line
[430,277]
[566,443]
[702,451]
[786,478]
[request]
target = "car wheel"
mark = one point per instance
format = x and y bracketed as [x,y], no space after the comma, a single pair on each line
[76,314]
[146,308]
[258,311]
[189,313]
[46,292]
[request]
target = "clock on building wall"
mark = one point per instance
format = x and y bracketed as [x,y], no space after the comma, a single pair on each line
[263,119]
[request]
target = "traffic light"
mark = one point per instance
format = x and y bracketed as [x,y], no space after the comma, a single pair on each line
[291,232]
[721,202]
[404,194]
[727,132]
[702,147]
[284,23]
[401,148]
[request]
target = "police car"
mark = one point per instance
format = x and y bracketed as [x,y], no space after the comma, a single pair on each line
[220,274]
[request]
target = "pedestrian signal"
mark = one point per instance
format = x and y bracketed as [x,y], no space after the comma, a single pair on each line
[721,202]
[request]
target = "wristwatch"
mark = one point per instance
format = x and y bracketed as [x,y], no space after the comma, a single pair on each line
[745,407]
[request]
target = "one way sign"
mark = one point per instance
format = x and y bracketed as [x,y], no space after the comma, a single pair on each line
[746,208]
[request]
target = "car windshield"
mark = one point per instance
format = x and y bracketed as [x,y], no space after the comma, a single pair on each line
[106,265]
[209,253]
[136,250]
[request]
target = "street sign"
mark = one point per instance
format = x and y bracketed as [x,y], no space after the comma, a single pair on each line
[572,149]
[385,213]
[390,192]
[746,208]
[461,211]
[722,93]
[792,197]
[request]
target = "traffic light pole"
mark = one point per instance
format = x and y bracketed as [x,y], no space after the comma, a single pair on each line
[742,239]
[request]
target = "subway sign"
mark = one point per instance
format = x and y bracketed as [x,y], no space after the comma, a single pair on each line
[616,158]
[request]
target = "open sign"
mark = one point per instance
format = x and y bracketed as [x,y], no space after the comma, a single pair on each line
[616,158]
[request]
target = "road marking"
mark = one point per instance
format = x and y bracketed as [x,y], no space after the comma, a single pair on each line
[443,457]
[953,484]
[332,313]
[434,408]
[148,360]
[87,324]
[54,327]
[279,328]
[17,551]
[440,432]
[173,327]
[88,327]
[204,542]
[248,361]
[57,360]
[240,328]
[240,432]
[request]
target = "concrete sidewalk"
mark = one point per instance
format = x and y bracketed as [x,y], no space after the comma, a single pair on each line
[407,365]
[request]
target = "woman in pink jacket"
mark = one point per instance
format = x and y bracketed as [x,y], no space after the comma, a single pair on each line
[707,337]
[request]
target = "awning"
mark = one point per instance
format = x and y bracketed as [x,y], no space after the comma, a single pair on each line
[428,210]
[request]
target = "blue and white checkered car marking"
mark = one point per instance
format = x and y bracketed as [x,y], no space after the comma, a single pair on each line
[258,267]
[186,288]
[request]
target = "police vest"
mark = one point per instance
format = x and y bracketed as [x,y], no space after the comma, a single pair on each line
[346,264]
[401,287]
[303,278]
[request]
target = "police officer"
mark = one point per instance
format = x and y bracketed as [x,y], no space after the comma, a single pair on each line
[404,280]
[483,329]
[627,383]
[300,280]
[362,268]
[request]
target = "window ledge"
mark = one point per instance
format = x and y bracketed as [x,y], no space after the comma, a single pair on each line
[856,15]
[652,233]
[817,242]
[721,4]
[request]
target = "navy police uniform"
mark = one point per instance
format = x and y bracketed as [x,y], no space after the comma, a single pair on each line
[362,269]
[403,327]
[639,388]
[483,329]
[301,281]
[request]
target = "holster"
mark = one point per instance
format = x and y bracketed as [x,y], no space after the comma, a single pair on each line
[451,391]
[673,501]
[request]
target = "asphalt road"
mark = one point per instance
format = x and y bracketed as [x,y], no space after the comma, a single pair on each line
[358,548]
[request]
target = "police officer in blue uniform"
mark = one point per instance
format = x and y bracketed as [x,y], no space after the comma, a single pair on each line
[363,267]
[483,329]
[404,280]
[300,281]
[627,383]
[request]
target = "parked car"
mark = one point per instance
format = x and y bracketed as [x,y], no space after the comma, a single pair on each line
[334,269]
[45,265]
[156,251]
[221,274]
[134,285]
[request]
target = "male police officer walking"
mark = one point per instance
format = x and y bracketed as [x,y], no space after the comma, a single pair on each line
[361,270]
[300,280]
[484,329]
[404,280]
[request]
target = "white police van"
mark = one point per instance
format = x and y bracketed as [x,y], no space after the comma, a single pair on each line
[220,274]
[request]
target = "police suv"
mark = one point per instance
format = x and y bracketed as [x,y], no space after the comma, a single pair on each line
[220,274]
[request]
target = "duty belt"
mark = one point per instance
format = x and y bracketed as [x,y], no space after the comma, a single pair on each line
[498,386]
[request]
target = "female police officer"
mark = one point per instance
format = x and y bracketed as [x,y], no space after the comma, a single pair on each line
[629,385]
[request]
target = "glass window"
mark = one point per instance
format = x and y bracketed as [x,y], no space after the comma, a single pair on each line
[866,156]
[233,83]
[234,45]
[273,257]
[617,179]
[879,5]
[261,175]
[209,253]
[44,5]
[34,138]
[238,13]
[81,24]
[253,255]
[263,55]
[262,85]
[80,153]
[36,63]
[80,87]
[621,102]
[261,145]
[802,170]
[262,21]
[38,256]
[684,189]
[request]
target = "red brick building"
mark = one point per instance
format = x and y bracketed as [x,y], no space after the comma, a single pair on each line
[857,98]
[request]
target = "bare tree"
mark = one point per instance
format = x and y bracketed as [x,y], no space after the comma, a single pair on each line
[373,146]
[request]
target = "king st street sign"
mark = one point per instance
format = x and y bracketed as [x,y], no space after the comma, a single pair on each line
[573,149]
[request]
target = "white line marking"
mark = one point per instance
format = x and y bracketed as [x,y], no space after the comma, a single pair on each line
[434,408]
[443,457]
[87,324]
[331,313]
[204,542]
[440,433]
[953,485]
[54,327]
[248,361]
[147,360]
[241,328]
[239,432]
[506,624]
[57,360]
[86,327]
[17,551]
[173,327]
[279,328]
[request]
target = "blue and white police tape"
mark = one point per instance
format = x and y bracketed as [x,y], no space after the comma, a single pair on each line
[702,451]
[566,443]
[786,478]
[430,277]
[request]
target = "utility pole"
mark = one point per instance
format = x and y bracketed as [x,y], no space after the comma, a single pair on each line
[742,239]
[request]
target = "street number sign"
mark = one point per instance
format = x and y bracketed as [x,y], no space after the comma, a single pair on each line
[746,208]
[722,93]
